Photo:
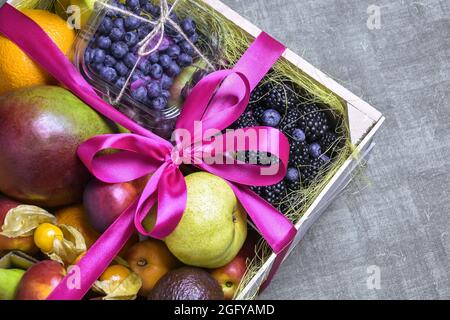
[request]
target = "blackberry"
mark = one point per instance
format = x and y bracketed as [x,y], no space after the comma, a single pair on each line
[245,121]
[275,193]
[313,122]
[299,154]
[258,94]
[311,170]
[258,110]
[257,190]
[289,122]
[329,143]
[280,97]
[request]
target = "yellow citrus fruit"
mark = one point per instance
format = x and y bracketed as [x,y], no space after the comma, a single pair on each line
[17,70]
[45,234]
[116,273]
[75,216]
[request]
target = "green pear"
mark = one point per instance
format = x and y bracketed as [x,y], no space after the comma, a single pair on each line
[214,225]
[9,281]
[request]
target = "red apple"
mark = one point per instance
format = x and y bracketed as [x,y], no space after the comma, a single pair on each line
[230,275]
[25,244]
[40,280]
[104,202]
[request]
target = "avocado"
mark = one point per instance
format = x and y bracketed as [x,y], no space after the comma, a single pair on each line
[187,283]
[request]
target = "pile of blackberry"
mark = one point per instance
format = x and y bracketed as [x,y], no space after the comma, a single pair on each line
[312,137]
[112,52]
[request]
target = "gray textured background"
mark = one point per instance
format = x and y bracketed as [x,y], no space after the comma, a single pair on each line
[398,216]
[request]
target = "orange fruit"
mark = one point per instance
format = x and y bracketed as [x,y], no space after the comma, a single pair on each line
[75,216]
[17,70]
[151,260]
[45,234]
[116,273]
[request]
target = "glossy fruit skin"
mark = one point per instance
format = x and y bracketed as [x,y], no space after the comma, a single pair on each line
[42,128]
[187,283]
[17,70]
[230,276]
[213,228]
[116,273]
[104,202]
[25,244]
[75,216]
[40,280]
[45,234]
[151,260]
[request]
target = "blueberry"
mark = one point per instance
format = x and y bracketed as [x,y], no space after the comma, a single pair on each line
[299,135]
[103,42]
[119,49]
[174,17]
[132,23]
[194,38]
[292,175]
[140,94]
[153,90]
[143,31]
[105,26]
[121,69]
[173,51]
[130,60]
[120,83]
[271,118]
[110,61]
[166,82]
[98,56]
[315,150]
[159,103]
[156,71]
[132,4]
[97,67]
[188,26]
[108,74]
[184,60]
[116,34]
[154,57]
[173,70]
[165,61]
[119,23]
[165,94]
[137,75]
[145,66]
[131,38]
[88,54]
[178,38]
[186,48]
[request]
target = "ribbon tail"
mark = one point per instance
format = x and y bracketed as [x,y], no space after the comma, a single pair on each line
[81,277]
[275,228]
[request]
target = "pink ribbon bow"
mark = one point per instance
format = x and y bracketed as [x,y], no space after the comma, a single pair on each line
[216,102]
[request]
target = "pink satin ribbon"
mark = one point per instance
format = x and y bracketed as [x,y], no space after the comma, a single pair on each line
[217,101]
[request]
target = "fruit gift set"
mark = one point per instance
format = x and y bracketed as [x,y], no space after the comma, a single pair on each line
[91,168]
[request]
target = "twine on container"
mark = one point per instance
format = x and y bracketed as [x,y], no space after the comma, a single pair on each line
[158,32]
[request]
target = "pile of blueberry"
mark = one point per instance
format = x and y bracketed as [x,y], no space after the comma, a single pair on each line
[112,52]
[311,135]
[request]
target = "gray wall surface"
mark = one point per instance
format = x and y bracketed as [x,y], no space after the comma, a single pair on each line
[396,218]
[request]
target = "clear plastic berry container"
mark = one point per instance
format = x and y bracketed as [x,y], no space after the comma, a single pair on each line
[140,65]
